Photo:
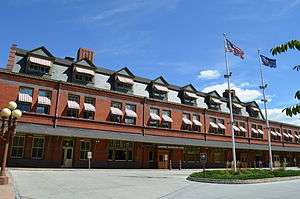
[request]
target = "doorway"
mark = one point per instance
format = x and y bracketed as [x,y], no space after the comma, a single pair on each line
[162,159]
[67,153]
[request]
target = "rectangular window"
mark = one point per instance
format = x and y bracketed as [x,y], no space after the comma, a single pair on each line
[221,130]
[45,93]
[120,150]
[260,136]
[185,125]
[130,119]
[22,105]
[71,112]
[17,148]
[75,98]
[151,156]
[89,114]
[196,127]
[254,132]
[38,69]
[242,126]
[43,109]
[37,148]
[154,122]
[122,87]
[115,117]
[165,123]
[25,90]
[85,147]
[82,78]
[213,127]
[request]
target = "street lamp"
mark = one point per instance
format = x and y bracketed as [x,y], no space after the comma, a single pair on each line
[9,116]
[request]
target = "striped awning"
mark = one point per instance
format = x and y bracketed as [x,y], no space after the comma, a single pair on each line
[260,131]
[297,136]
[44,100]
[187,121]
[236,105]
[154,116]
[130,113]
[167,118]
[222,126]
[160,88]
[125,80]
[213,125]
[116,111]
[273,133]
[243,129]
[89,107]
[290,135]
[40,61]
[84,71]
[254,130]
[236,128]
[285,135]
[190,95]
[73,105]
[24,97]
[279,134]
[255,109]
[197,123]
[216,101]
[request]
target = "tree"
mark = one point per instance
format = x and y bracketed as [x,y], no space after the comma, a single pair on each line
[291,45]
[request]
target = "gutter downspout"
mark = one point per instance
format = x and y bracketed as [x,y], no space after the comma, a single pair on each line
[57,102]
[143,126]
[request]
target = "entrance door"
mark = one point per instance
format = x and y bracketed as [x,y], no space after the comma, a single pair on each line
[67,156]
[162,159]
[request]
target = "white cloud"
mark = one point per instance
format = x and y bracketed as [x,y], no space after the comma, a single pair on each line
[245,95]
[209,74]
[276,114]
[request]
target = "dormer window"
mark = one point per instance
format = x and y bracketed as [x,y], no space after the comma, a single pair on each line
[254,111]
[38,66]
[83,75]
[123,84]
[236,108]
[159,92]
[214,103]
[189,98]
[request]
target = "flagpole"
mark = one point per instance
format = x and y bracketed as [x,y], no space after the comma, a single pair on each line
[227,76]
[263,88]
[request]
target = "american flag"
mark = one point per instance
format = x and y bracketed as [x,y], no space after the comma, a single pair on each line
[230,47]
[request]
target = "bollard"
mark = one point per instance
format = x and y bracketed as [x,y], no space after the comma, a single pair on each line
[170,166]
[180,165]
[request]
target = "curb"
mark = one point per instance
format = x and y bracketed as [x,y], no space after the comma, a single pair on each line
[254,181]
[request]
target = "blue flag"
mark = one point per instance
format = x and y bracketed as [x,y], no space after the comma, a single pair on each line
[268,62]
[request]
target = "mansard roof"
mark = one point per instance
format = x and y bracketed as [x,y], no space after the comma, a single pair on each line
[125,71]
[41,51]
[214,94]
[160,80]
[86,63]
[190,88]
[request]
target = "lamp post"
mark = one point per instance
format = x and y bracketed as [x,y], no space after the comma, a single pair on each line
[9,116]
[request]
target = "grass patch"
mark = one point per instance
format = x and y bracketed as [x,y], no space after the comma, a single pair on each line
[246,174]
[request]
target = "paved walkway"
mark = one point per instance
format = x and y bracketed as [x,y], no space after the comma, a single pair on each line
[6,192]
[130,184]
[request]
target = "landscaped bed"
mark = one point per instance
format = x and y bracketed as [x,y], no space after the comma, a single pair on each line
[244,176]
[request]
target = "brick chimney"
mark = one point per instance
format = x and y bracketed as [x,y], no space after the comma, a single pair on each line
[85,53]
[226,93]
[11,57]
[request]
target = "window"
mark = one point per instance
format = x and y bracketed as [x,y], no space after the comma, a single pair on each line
[123,84]
[166,123]
[243,130]
[290,135]
[186,124]
[188,101]
[236,110]
[254,131]
[151,156]
[130,119]
[191,154]
[297,138]
[278,131]
[73,112]
[213,103]
[213,127]
[43,109]
[45,93]
[37,148]
[115,117]
[159,95]
[222,122]
[120,150]
[24,103]
[17,147]
[83,78]
[44,101]
[286,135]
[154,121]
[85,147]
[38,69]
[89,113]
[273,136]
[196,127]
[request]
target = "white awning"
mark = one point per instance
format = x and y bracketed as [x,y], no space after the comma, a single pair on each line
[254,130]
[130,113]
[167,118]
[260,131]
[243,129]
[197,123]
[273,133]
[221,125]
[154,116]
[187,121]
[23,97]
[85,71]
[125,80]
[89,107]
[279,134]
[40,61]
[216,101]
[191,95]
[297,136]
[290,135]
[115,111]
[214,125]
[160,88]
[255,109]
[44,100]
[236,105]
[285,135]
[236,128]
[73,104]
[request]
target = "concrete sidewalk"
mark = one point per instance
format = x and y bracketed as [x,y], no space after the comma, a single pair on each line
[7,191]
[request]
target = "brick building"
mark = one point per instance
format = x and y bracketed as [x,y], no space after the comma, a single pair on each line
[70,106]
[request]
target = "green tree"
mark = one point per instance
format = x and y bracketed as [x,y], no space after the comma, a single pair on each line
[291,45]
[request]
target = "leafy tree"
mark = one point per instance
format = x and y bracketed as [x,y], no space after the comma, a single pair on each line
[291,45]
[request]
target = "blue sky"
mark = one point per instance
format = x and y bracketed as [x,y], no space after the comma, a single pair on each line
[179,39]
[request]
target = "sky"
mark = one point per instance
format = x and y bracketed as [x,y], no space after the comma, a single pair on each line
[181,40]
